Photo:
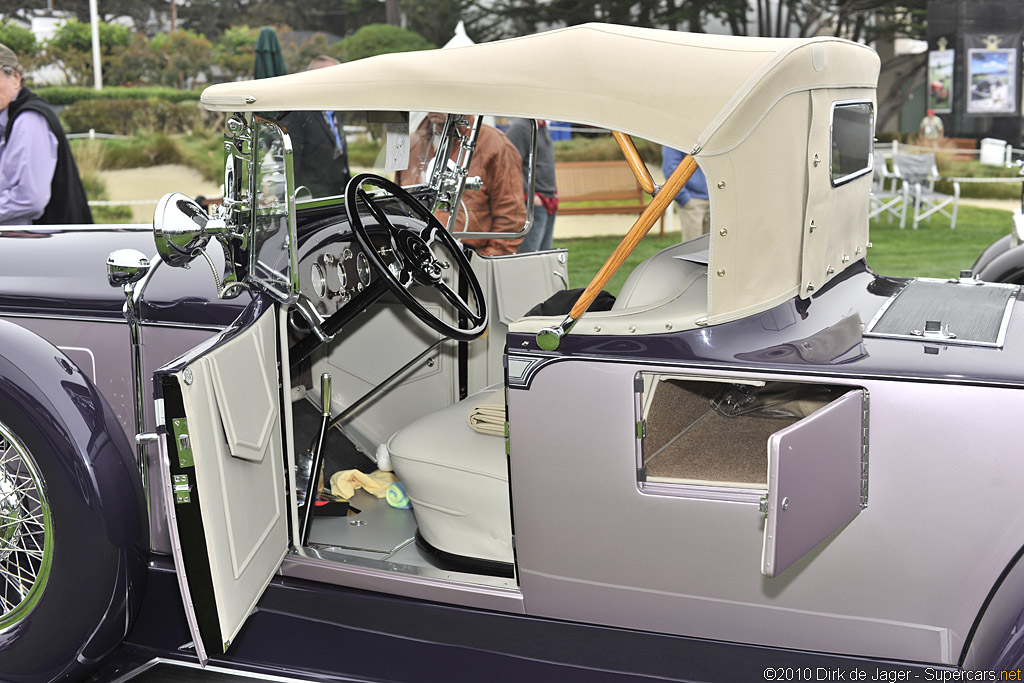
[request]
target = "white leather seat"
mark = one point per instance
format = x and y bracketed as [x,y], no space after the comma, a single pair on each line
[457,480]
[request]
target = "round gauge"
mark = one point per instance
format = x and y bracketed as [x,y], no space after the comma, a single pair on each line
[342,275]
[346,255]
[363,269]
[317,279]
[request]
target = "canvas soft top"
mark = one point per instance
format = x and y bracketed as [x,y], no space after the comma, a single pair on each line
[755,111]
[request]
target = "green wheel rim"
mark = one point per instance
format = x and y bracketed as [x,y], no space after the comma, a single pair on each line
[26,530]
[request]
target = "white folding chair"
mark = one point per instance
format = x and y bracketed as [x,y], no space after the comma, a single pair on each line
[918,172]
[887,201]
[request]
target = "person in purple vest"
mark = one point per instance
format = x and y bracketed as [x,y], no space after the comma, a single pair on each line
[39,181]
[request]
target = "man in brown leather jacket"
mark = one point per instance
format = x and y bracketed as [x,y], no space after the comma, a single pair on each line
[499,206]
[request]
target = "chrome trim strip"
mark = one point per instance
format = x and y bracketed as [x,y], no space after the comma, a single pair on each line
[387,569]
[114,318]
[716,367]
[726,494]
[167,494]
[216,669]
[1001,334]
[842,180]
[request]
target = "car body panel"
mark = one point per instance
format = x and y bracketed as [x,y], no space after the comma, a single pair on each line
[707,577]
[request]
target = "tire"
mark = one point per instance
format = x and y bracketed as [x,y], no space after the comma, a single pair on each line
[70,579]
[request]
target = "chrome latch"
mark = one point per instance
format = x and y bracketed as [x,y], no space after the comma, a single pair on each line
[933,329]
[762,505]
[182,489]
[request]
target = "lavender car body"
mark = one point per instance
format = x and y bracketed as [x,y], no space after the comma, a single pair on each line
[764,455]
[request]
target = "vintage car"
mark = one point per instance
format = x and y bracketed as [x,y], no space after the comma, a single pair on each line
[763,462]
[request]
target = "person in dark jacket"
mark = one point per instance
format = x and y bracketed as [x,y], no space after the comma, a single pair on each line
[545,198]
[39,181]
[320,152]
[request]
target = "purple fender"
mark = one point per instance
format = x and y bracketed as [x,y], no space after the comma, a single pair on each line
[99,530]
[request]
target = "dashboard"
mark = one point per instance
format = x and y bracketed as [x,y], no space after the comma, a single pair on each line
[334,268]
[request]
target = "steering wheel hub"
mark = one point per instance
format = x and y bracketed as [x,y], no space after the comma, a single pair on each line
[416,260]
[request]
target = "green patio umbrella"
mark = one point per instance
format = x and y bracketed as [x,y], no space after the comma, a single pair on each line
[269,59]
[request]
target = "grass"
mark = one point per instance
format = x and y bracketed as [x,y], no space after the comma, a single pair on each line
[933,250]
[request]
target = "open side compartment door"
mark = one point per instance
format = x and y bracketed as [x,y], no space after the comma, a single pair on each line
[225,491]
[817,480]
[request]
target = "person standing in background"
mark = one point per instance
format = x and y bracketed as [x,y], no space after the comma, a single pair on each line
[319,148]
[931,126]
[694,205]
[39,181]
[545,198]
[496,207]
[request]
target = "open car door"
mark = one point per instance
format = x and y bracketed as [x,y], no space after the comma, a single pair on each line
[225,492]
[817,480]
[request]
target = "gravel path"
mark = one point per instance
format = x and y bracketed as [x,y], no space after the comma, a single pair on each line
[149,184]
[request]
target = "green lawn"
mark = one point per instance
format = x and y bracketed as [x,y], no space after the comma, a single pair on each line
[933,250]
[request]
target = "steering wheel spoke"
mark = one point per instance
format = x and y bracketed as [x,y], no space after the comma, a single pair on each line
[458,302]
[416,258]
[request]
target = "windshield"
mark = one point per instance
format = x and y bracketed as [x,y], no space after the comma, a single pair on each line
[329,147]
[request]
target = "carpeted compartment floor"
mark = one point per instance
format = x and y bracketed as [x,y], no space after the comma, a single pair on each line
[688,439]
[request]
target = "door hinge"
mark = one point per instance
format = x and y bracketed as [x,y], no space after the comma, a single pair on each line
[182,442]
[865,433]
[762,505]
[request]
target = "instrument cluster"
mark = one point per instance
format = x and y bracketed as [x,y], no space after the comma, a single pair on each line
[333,274]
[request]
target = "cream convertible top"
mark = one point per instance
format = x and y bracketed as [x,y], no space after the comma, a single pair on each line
[757,112]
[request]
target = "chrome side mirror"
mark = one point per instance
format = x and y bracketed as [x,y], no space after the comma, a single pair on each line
[126,267]
[182,228]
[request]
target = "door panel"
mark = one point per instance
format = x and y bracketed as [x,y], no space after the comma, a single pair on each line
[815,481]
[227,473]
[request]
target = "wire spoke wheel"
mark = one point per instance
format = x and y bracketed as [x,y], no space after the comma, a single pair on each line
[26,530]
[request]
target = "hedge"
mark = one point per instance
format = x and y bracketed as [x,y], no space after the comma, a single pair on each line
[66,95]
[126,117]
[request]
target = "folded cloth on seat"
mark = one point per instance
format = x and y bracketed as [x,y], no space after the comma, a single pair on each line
[345,483]
[488,416]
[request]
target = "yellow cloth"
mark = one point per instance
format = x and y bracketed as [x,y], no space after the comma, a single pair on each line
[488,417]
[345,483]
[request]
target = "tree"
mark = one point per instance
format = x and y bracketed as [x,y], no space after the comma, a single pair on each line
[71,48]
[133,64]
[377,39]
[21,41]
[180,56]
[109,10]
[298,54]
[434,20]
[234,52]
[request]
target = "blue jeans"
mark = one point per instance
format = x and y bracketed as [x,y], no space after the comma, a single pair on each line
[543,231]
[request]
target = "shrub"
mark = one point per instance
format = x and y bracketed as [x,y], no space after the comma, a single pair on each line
[65,95]
[127,117]
[377,39]
[120,213]
[604,148]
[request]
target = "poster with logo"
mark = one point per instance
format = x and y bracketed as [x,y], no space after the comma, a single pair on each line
[940,80]
[992,81]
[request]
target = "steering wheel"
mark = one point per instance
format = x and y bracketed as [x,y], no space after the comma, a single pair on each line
[416,260]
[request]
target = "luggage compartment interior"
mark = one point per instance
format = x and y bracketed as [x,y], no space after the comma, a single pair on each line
[715,432]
